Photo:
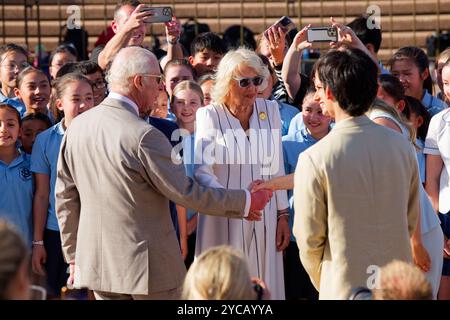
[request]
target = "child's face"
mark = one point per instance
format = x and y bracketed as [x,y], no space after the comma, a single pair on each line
[186,105]
[314,119]
[11,64]
[410,77]
[60,59]
[34,91]
[98,86]
[77,98]
[9,127]
[175,75]
[207,88]
[446,81]
[205,61]
[161,109]
[29,131]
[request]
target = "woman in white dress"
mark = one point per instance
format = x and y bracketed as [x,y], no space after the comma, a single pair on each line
[238,141]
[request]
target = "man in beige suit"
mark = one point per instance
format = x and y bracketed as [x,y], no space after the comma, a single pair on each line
[115,179]
[356,190]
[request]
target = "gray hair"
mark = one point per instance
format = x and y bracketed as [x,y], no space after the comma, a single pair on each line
[129,62]
[228,67]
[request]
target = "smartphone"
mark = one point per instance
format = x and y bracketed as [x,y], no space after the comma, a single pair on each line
[285,22]
[159,14]
[322,34]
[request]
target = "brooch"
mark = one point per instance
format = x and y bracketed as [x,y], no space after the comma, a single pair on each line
[262,115]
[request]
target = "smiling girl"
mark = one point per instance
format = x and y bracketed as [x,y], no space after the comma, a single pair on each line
[411,66]
[16,181]
[73,96]
[187,98]
[33,88]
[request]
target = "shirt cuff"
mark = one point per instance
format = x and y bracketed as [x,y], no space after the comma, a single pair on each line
[248,200]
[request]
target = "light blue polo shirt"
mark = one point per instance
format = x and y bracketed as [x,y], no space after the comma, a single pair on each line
[15,102]
[293,146]
[287,113]
[44,159]
[16,195]
[433,104]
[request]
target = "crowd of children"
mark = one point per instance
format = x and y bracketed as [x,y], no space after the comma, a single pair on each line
[36,109]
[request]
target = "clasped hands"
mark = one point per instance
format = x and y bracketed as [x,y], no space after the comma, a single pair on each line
[259,199]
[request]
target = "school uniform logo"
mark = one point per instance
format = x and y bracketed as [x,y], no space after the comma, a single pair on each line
[25,173]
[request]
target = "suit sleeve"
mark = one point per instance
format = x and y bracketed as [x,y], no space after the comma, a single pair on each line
[170,180]
[67,205]
[310,220]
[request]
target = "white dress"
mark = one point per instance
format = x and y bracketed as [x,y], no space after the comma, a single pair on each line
[226,157]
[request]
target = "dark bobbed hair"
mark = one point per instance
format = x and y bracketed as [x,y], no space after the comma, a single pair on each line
[366,35]
[38,116]
[392,86]
[351,76]
[66,47]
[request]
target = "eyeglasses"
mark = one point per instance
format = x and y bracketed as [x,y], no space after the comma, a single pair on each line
[13,66]
[99,84]
[245,82]
[159,78]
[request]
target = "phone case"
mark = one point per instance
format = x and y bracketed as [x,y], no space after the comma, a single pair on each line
[160,14]
[322,34]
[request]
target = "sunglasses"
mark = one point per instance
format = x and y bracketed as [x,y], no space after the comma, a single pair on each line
[245,82]
[159,78]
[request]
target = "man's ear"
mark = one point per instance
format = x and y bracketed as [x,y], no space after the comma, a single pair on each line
[328,94]
[137,81]
[191,60]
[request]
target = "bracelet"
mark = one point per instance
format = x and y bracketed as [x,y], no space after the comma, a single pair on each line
[282,215]
[38,242]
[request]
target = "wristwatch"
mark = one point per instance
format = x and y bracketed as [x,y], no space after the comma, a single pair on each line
[38,242]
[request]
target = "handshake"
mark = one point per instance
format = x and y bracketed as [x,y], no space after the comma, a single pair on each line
[259,199]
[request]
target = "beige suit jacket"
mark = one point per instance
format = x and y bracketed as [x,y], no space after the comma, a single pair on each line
[356,201]
[115,179]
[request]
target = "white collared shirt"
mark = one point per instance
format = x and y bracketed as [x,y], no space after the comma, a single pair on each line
[127,100]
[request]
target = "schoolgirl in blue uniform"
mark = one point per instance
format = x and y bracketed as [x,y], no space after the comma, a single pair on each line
[16,180]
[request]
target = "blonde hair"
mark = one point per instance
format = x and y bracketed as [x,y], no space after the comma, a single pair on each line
[13,252]
[228,67]
[444,56]
[402,281]
[383,106]
[219,273]
[187,85]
